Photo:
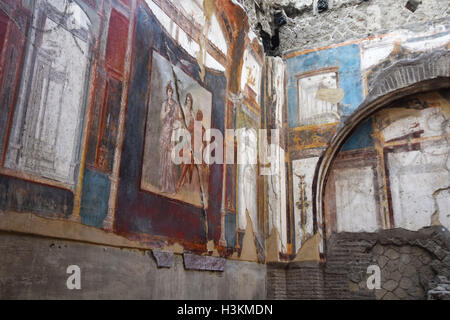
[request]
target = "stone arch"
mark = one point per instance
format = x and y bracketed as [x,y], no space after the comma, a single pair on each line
[429,71]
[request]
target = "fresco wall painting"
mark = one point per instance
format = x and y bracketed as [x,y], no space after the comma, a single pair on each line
[46,129]
[324,87]
[388,155]
[83,138]
[188,183]
[92,91]
[275,203]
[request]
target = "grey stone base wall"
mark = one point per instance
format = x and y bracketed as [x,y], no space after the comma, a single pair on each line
[36,268]
[414,265]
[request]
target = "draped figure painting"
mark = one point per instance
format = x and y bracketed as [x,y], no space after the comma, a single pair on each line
[176,102]
[170,121]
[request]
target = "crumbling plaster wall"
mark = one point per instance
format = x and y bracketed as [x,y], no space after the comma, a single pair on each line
[356,65]
[203,48]
[340,78]
[414,266]
[206,45]
[343,20]
[356,73]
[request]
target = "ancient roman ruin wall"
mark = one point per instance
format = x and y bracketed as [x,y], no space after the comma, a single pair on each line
[305,24]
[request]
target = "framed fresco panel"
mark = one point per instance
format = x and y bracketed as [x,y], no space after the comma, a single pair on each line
[176,100]
[319,97]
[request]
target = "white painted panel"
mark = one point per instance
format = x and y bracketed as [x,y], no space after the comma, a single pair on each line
[375,51]
[277,197]
[429,121]
[216,35]
[186,42]
[306,168]
[283,204]
[415,178]
[312,109]
[356,209]
[277,181]
[247,178]
[51,132]
[251,73]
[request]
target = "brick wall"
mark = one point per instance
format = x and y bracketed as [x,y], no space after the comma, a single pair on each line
[411,263]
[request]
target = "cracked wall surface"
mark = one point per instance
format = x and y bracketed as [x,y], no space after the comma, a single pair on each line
[380,165]
[97,169]
[344,20]
[94,90]
[367,71]
[414,266]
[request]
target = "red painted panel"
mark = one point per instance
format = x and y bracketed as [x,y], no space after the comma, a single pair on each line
[126,2]
[109,125]
[12,3]
[3,29]
[94,126]
[11,44]
[117,42]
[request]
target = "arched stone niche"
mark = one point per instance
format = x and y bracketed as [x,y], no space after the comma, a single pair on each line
[428,72]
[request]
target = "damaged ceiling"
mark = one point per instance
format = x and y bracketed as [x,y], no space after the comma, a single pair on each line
[284,25]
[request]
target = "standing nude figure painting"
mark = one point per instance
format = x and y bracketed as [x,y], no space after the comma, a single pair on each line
[187,169]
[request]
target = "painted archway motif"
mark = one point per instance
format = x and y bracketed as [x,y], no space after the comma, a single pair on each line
[427,72]
[47,128]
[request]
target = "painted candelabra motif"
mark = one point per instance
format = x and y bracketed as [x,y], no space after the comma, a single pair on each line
[303,204]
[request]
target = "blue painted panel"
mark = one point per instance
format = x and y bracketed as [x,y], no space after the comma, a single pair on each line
[230,230]
[95,198]
[346,58]
[361,137]
[25,196]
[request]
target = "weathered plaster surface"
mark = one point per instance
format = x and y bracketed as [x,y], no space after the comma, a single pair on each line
[303,170]
[35,268]
[344,20]
[77,175]
[377,59]
[414,204]
[366,193]
[355,200]
[276,175]
[414,266]
[71,171]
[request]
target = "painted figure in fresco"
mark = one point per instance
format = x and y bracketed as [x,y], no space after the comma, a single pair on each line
[187,169]
[248,176]
[171,121]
